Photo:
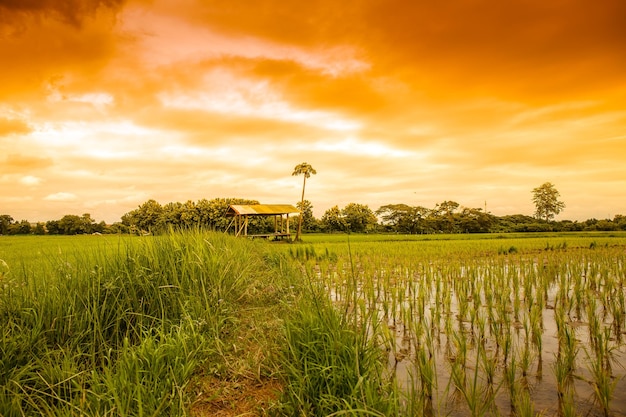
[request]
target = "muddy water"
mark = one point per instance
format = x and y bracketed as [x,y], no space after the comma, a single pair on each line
[540,380]
[418,317]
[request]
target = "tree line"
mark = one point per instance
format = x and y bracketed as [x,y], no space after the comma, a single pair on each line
[445,217]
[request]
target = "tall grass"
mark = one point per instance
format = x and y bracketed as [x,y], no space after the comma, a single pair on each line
[122,331]
[332,362]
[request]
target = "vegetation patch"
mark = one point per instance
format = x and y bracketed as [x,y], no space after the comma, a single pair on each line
[200,324]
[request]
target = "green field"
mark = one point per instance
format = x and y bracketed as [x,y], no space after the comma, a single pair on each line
[205,324]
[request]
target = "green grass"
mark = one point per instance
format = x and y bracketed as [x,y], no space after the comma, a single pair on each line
[169,325]
[120,326]
[148,326]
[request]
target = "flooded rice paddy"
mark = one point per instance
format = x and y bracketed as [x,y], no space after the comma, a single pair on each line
[478,330]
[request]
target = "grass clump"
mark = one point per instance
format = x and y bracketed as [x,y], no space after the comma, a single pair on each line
[129,330]
[332,365]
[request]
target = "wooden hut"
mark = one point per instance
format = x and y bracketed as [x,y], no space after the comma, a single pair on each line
[241,215]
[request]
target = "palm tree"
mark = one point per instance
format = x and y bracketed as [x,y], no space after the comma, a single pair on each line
[305,169]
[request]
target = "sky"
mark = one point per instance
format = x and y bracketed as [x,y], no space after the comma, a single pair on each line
[105,104]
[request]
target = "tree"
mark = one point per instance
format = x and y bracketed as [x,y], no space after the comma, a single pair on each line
[5,222]
[20,228]
[546,200]
[39,229]
[53,227]
[359,217]
[306,170]
[333,220]
[475,220]
[71,224]
[308,220]
[145,217]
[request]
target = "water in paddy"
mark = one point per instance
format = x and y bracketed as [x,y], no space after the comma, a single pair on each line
[507,338]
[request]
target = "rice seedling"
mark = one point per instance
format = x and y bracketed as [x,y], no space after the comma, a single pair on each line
[484,316]
[601,370]
[479,398]
[523,404]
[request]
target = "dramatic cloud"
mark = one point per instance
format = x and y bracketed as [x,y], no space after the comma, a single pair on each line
[107,103]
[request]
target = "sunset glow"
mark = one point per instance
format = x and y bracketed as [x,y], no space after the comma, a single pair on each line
[106,104]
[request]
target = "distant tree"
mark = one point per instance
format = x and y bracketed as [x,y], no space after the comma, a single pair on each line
[309,223]
[332,220]
[474,220]
[306,170]
[53,228]
[546,200]
[5,222]
[189,215]
[359,218]
[100,227]
[145,217]
[445,218]
[170,216]
[606,225]
[568,226]
[620,220]
[39,229]
[119,228]
[20,228]
[71,224]
[212,213]
[402,218]
[88,224]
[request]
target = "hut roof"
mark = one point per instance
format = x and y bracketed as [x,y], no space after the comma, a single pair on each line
[261,209]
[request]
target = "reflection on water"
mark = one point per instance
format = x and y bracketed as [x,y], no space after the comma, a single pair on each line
[505,335]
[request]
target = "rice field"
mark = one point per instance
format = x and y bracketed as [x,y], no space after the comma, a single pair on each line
[492,325]
[203,324]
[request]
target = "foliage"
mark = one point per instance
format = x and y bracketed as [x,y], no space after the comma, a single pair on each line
[333,220]
[546,200]
[22,227]
[309,223]
[403,218]
[208,214]
[5,222]
[446,217]
[359,218]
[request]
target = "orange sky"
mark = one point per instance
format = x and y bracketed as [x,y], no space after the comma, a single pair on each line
[105,104]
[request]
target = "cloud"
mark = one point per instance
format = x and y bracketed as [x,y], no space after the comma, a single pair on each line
[61,196]
[13,126]
[30,180]
[116,101]
[26,162]
[50,40]
[72,12]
